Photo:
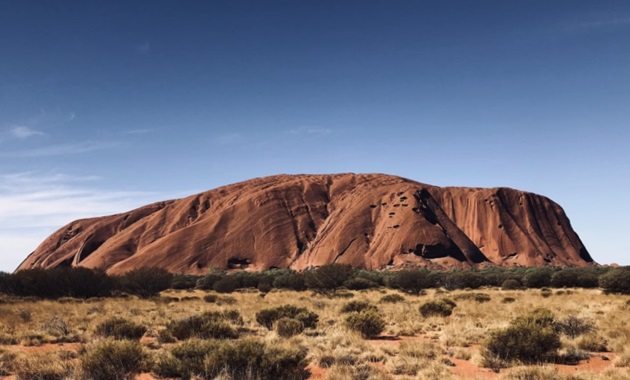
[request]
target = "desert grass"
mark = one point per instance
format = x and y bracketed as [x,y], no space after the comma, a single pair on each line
[411,346]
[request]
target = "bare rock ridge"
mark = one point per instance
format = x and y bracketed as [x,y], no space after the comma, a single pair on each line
[372,221]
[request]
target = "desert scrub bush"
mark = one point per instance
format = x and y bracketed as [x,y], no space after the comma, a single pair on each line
[392,298]
[412,281]
[571,355]
[184,281]
[212,324]
[211,298]
[573,326]
[112,359]
[7,362]
[367,322]
[207,282]
[508,300]
[56,283]
[144,282]
[537,278]
[461,279]
[592,342]
[531,338]
[288,327]
[329,277]
[120,328]
[187,359]
[227,284]
[441,307]
[576,277]
[358,372]
[254,359]
[267,317]
[164,365]
[357,306]
[293,281]
[547,372]
[477,297]
[164,336]
[510,284]
[42,367]
[616,280]
[360,283]
[412,357]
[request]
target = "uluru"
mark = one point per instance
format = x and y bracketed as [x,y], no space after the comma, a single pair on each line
[371,221]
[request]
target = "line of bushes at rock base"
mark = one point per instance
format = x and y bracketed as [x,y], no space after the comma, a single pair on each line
[148,282]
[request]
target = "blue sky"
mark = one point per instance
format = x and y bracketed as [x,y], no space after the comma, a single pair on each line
[109,105]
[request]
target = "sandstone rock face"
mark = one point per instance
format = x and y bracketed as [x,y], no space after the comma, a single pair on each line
[372,221]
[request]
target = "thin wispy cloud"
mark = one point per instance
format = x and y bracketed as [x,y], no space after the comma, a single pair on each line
[311,131]
[59,150]
[33,205]
[35,125]
[137,131]
[22,132]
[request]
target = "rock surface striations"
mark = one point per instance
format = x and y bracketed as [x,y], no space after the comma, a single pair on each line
[372,221]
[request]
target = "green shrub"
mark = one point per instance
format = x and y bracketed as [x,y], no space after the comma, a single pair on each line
[184,281]
[576,277]
[376,277]
[166,366]
[293,281]
[510,284]
[264,287]
[616,280]
[442,307]
[531,338]
[267,317]
[573,326]
[538,278]
[227,284]
[253,359]
[462,279]
[112,359]
[353,306]
[469,296]
[57,282]
[392,298]
[189,357]
[360,283]
[119,328]
[144,282]
[207,282]
[412,281]
[329,277]
[367,322]
[288,327]
[211,324]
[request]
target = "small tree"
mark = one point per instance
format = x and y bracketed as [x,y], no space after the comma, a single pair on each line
[413,281]
[145,282]
[616,280]
[328,277]
[530,338]
[367,322]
